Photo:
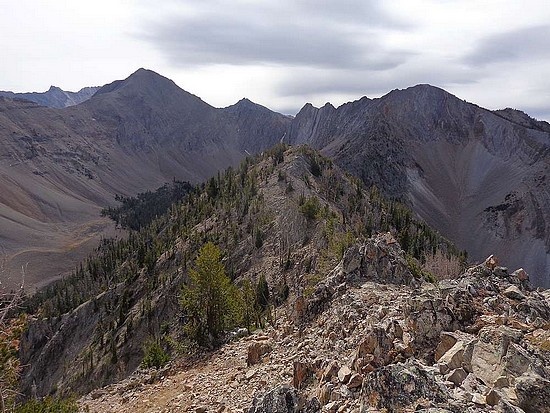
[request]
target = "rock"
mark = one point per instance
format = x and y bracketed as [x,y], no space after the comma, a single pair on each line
[330,371]
[312,406]
[479,399]
[485,362]
[516,361]
[491,262]
[256,350]
[453,358]
[332,407]
[533,393]
[201,409]
[501,272]
[301,373]
[355,381]
[521,275]
[399,386]
[514,293]
[376,343]
[457,376]
[448,340]
[344,374]
[501,381]
[493,397]
[281,399]
[325,392]
[352,259]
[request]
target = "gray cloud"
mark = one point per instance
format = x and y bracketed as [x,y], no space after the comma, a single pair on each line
[368,82]
[291,33]
[526,45]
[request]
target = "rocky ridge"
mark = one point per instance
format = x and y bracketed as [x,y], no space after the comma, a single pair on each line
[477,176]
[371,338]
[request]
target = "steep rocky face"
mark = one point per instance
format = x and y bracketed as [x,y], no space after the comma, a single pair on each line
[479,177]
[59,167]
[54,97]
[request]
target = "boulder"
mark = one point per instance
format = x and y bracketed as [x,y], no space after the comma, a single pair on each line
[355,381]
[533,393]
[514,293]
[521,275]
[330,371]
[325,393]
[377,344]
[301,373]
[448,340]
[281,399]
[485,362]
[401,386]
[457,376]
[491,262]
[453,358]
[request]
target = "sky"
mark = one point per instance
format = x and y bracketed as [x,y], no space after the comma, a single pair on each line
[284,53]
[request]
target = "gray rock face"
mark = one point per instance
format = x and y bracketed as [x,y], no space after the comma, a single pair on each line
[480,178]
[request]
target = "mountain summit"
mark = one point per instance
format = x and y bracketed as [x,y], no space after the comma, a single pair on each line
[65,165]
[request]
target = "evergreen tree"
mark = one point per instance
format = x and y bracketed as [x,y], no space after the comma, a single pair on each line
[210,300]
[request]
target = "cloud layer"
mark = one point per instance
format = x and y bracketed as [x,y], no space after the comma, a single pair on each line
[285,53]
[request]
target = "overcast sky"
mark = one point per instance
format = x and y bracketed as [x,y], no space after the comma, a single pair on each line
[283,53]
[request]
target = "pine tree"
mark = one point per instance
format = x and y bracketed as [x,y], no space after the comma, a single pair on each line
[210,300]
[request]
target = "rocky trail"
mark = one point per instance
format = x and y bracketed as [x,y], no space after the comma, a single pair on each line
[371,337]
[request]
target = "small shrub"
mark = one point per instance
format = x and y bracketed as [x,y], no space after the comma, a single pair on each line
[315,168]
[443,266]
[155,356]
[310,208]
[417,271]
[258,238]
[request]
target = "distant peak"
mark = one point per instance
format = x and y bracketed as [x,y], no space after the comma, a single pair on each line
[246,104]
[55,89]
[141,72]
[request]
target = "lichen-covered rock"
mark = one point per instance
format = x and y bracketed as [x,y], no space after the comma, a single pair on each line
[402,385]
[533,393]
[281,399]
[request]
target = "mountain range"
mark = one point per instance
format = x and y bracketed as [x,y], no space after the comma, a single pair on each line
[477,176]
[54,97]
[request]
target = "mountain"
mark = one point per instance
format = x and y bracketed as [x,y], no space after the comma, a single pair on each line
[54,97]
[479,177]
[60,167]
[354,321]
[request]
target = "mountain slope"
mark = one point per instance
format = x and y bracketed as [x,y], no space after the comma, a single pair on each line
[278,216]
[54,97]
[353,324]
[59,167]
[477,176]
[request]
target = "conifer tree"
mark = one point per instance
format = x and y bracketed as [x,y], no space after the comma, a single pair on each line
[210,299]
